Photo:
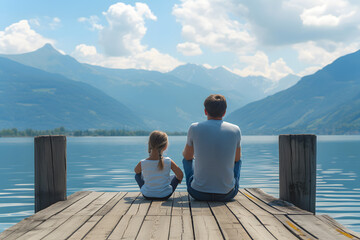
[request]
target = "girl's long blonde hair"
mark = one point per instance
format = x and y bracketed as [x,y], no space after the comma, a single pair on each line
[158,140]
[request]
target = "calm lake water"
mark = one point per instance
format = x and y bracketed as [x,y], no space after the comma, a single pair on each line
[106,164]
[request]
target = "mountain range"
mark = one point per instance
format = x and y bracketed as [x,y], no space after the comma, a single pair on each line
[55,90]
[326,102]
[159,99]
[238,90]
[32,98]
[170,101]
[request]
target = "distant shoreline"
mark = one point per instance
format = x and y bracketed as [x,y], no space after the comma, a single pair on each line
[14,132]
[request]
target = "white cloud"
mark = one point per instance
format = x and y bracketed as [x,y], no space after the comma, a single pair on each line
[84,50]
[284,22]
[323,53]
[315,17]
[259,65]
[121,41]
[189,49]
[34,22]
[45,22]
[308,71]
[328,13]
[20,38]
[123,35]
[319,30]
[149,60]
[54,23]
[242,26]
[210,23]
[93,21]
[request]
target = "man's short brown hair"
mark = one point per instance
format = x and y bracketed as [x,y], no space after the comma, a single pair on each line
[215,105]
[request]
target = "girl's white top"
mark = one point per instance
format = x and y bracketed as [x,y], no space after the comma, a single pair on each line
[157,182]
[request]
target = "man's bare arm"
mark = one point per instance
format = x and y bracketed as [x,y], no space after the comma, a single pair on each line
[188,152]
[238,154]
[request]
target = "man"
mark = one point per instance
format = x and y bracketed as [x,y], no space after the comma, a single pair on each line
[212,155]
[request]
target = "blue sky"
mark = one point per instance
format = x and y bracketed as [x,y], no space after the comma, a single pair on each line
[249,37]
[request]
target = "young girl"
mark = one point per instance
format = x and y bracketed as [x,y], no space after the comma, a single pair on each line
[153,173]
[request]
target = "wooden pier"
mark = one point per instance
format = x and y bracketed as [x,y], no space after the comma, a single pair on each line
[253,214]
[127,215]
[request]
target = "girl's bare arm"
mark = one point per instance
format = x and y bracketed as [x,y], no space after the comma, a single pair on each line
[178,173]
[137,169]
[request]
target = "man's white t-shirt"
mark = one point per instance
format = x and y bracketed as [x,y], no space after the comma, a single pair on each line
[215,143]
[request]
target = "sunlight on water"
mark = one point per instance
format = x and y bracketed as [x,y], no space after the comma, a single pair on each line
[107,163]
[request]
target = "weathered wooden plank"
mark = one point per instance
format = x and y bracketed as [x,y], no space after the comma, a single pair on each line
[205,227]
[338,227]
[155,227]
[250,205]
[260,203]
[59,206]
[181,222]
[97,204]
[67,228]
[107,224]
[110,204]
[55,221]
[252,225]
[82,203]
[279,230]
[317,227]
[75,222]
[199,208]
[128,227]
[104,227]
[229,224]
[44,228]
[297,170]
[272,224]
[181,227]
[294,228]
[85,228]
[50,170]
[279,204]
[181,204]
[19,229]
[34,221]
[139,207]
[161,208]
[123,205]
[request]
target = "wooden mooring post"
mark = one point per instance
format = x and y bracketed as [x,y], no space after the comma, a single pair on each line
[297,158]
[50,170]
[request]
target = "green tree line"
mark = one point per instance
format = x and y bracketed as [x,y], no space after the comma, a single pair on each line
[13,132]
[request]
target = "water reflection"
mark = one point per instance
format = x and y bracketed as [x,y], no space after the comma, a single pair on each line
[106,164]
[337,189]
[16,180]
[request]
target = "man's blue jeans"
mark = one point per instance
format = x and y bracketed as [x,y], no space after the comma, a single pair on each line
[204,196]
